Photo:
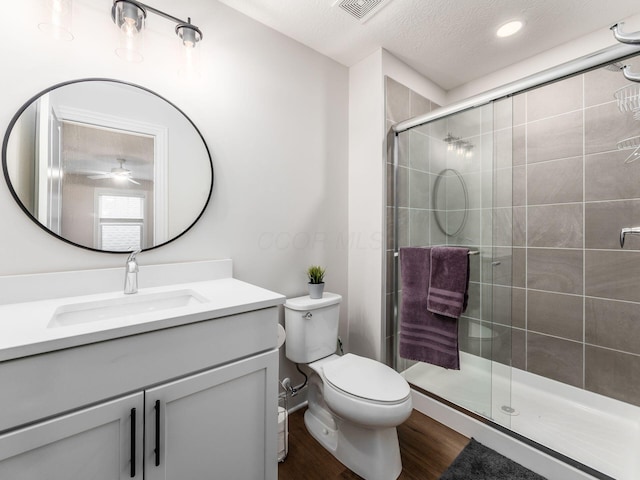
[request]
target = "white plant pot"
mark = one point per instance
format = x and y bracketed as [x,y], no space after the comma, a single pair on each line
[315,290]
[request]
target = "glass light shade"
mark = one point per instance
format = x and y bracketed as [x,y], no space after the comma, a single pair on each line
[56,19]
[130,21]
[130,48]
[189,51]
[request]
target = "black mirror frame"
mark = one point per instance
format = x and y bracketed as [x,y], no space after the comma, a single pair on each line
[43,227]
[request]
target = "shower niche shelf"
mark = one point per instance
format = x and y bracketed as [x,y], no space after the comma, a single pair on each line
[631,143]
[628,98]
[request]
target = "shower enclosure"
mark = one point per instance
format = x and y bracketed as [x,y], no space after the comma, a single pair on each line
[538,178]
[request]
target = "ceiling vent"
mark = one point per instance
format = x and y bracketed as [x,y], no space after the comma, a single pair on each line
[361,10]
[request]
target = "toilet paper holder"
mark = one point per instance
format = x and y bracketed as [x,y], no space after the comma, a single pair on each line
[283,427]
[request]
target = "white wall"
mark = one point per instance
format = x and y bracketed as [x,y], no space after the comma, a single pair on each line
[366,132]
[367,193]
[274,115]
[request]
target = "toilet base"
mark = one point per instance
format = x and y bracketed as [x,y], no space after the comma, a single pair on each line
[373,454]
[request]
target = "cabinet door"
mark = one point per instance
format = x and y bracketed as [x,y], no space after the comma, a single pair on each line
[96,443]
[219,424]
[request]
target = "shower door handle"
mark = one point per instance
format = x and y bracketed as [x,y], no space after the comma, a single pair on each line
[628,231]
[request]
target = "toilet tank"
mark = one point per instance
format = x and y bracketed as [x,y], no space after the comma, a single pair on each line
[312,327]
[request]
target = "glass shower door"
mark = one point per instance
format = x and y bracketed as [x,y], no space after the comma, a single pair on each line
[453,176]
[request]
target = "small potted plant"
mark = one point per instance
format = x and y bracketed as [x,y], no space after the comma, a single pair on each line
[316,281]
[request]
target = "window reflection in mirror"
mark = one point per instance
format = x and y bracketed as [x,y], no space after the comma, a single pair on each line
[120,220]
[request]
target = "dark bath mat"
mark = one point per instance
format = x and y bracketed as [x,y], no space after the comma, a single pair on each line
[477,462]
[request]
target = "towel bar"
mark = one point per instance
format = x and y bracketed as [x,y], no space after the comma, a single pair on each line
[471,252]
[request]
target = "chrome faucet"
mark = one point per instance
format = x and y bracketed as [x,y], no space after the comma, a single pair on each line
[131,273]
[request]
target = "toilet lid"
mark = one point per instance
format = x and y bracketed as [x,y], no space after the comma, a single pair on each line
[366,378]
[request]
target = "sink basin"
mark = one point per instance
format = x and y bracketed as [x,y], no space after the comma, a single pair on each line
[123,306]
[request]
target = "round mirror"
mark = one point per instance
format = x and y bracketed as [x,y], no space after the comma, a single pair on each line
[107,166]
[450,202]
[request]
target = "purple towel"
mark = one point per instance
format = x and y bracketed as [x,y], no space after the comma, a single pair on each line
[449,281]
[424,336]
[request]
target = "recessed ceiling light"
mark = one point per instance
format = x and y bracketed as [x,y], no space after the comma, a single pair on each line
[509,28]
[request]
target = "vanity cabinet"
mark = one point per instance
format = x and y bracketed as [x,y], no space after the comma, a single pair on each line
[210,425]
[95,443]
[204,401]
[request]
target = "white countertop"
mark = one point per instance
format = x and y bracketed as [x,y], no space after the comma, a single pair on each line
[25,327]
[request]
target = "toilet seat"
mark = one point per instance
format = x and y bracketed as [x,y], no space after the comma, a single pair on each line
[366,379]
[387,410]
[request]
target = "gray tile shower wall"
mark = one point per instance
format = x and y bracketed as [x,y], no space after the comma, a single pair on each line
[573,194]
[566,296]
[414,186]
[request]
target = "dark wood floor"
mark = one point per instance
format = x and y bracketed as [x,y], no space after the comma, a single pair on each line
[427,448]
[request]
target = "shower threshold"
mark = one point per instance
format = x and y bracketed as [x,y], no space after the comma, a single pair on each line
[597,431]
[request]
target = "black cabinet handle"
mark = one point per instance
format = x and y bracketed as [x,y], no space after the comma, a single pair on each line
[133,442]
[157,450]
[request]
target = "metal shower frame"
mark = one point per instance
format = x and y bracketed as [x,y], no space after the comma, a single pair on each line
[597,59]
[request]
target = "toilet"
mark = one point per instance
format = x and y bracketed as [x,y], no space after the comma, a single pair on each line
[354,403]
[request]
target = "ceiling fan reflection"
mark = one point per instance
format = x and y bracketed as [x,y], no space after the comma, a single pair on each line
[117,173]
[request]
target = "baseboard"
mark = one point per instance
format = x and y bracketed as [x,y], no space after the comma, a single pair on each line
[510,447]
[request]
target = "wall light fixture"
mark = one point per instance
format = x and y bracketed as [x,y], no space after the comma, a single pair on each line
[461,147]
[130,17]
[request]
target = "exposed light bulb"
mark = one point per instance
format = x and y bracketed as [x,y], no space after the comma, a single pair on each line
[129,27]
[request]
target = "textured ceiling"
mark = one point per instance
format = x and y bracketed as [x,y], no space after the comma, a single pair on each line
[450,42]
